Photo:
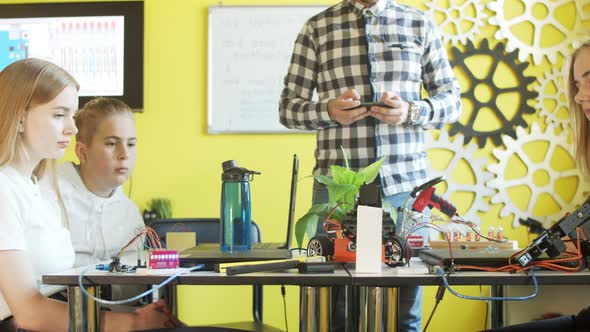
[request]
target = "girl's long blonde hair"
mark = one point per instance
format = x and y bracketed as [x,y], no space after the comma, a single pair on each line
[24,84]
[579,122]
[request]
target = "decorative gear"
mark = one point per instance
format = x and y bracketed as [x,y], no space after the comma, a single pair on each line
[552,90]
[541,19]
[455,15]
[486,81]
[466,154]
[515,152]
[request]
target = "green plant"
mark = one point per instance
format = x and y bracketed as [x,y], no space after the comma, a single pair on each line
[343,187]
[162,207]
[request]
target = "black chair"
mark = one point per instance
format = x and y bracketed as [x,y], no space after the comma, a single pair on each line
[207,230]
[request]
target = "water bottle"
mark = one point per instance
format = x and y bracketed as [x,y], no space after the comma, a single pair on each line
[236,207]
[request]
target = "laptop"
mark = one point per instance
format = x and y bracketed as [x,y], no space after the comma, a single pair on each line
[211,253]
[478,257]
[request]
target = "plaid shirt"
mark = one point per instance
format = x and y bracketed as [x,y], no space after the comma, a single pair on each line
[388,47]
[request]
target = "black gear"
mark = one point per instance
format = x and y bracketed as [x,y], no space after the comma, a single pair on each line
[508,126]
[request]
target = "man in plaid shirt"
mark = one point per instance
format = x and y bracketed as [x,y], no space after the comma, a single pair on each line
[372,51]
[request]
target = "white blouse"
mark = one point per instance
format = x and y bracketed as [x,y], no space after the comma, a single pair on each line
[31,223]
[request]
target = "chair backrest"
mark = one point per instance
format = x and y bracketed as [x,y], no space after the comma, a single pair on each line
[207,230]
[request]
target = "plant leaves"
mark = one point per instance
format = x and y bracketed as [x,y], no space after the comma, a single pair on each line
[342,175]
[307,225]
[349,199]
[338,214]
[345,157]
[162,207]
[312,225]
[301,226]
[370,172]
[338,192]
[389,208]
[343,187]
[320,208]
[324,179]
[358,180]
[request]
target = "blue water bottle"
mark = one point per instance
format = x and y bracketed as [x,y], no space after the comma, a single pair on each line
[236,208]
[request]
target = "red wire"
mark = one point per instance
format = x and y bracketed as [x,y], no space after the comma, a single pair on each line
[151,237]
[551,264]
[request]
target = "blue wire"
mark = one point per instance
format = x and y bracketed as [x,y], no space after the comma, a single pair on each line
[137,297]
[441,272]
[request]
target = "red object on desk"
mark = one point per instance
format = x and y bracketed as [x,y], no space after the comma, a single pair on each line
[163,259]
[415,241]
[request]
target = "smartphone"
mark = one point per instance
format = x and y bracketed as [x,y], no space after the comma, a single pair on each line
[369,104]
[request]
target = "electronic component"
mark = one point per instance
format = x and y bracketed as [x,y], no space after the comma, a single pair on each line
[534,226]
[115,265]
[163,259]
[550,242]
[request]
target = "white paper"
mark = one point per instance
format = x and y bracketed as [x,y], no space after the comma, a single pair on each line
[369,239]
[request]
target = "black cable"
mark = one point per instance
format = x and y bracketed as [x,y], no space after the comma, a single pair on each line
[440,292]
[283,292]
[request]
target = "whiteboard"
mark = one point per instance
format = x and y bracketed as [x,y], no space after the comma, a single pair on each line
[249,51]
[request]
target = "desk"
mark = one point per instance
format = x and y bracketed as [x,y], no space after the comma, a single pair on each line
[315,296]
[378,291]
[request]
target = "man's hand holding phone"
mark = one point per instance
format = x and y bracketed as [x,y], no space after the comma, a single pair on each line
[345,109]
[395,114]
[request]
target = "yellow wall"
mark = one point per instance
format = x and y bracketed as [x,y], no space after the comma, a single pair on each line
[180,161]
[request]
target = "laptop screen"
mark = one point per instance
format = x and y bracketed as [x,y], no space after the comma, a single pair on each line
[292,199]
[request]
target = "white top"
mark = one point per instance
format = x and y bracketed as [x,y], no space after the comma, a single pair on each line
[30,223]
[100,226]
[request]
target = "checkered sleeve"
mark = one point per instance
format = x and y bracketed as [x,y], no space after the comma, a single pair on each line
[296,108]
[439,81]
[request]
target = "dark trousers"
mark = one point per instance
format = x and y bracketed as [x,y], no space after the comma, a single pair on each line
[8,325]
[561,324]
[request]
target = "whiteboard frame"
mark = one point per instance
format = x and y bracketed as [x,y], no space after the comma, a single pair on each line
[211,129]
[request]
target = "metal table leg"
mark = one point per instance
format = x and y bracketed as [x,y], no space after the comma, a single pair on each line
[351,308]
[496,312]
[83,311]
[378,309]
[315,309]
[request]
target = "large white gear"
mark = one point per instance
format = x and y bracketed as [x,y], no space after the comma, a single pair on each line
[557,116]
[515,148]
[535,50]
[477,165]
[456,14]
